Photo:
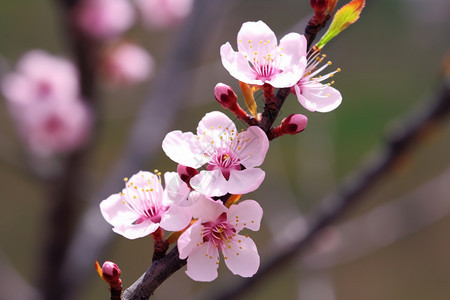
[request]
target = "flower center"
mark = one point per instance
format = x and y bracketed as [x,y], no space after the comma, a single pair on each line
[225,161]
[220,232]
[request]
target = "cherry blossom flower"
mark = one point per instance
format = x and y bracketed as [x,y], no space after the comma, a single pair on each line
[311,93]
[260,60]
[54,126]
[164,13]
[231,156]
[104,19]
[143,206]
[128,63]
[41,76]
[217,229]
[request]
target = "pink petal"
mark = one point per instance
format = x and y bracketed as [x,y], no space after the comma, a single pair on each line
[137,230]
[210,183]
[184,149]
[116,212]
[176,191]
[242,257]
[237,65]
[254,151]
[215,123]
[245,181]
[318,97]
[189,240]
[202,264]
[207,210]
[254,32]
[176,218]
[246,214]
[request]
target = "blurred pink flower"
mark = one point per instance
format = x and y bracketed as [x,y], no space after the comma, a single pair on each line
[41,76]
[231,156]
[311,93]
[143,206]
[163,13]
[128,63]
[217,230]
[104,19]
[260,60]
[54,126]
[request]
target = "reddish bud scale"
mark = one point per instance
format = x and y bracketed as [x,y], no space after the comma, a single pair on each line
[186,173]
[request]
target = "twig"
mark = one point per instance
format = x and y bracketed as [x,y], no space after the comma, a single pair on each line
[350,192]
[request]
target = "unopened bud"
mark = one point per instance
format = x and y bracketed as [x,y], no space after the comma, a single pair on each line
[186,173]
[294,124]
[110,273]
[323,7]
[225,95]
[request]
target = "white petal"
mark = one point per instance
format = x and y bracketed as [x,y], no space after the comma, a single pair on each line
[116,212]
[237,65]
[136,231]
[176,218]
[207,210]
[210,183]
[318,97]
[254,32]
[214,124]
[202,264]
[246,214]
[176,191]
[184,149]
[242,257]
[245,181]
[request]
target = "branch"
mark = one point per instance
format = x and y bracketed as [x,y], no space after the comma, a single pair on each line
[334,206]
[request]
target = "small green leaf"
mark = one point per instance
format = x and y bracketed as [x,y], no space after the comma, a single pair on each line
[343,18]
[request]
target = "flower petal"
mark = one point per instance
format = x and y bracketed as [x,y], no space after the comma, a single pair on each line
[176,218]
[116,212]
[242,256]
[315,96]
[237,65]
[184,149]
[246,214]
[214,124]
[245,181]
[202,264]
[254,150]
[135,231]
[189,240]
[250,35]
[210,183]
[176,191]
[207,210]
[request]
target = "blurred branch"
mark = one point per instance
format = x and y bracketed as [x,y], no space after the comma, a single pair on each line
[383,226]
[160,109]
[335,205]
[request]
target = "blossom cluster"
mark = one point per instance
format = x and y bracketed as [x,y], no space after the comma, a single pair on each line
[219,162]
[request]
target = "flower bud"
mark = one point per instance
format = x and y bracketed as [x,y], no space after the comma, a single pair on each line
[186,173]
[110,273]
[225,95]
[294,124]
[323,7]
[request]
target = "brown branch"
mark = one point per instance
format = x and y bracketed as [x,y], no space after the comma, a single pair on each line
[350,192]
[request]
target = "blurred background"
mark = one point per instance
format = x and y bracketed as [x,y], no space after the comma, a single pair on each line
[393,244]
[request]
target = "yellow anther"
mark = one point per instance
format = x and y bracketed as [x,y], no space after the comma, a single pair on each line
[329,63]
[338,69]
[125,179]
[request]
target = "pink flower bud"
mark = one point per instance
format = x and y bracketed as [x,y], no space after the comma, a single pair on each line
[294,124]
[323,7]
[186,173]
[225,95]
[111,274]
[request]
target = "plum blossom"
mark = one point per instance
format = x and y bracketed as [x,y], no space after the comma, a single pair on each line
[217,229]
[104,19]
[39,76]
[143,206]
[260,59]
[231,156]
[43,97]
[128,63]
[163,13]
[311,93]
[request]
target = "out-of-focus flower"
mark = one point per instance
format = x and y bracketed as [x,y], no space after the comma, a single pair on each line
[104,19]
[312,93]
[43,97]
[127,63]
[143,206]
[231,156]
[163,13]
[261,60]
[217,230]
[40,76]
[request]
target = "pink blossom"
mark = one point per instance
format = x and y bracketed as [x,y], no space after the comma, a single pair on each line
[164,13]
[261,60]
[104,19]
[41,76]
[54,126]
[128,63]
[314,95]
[231,156]
[143,206]
[217,229]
